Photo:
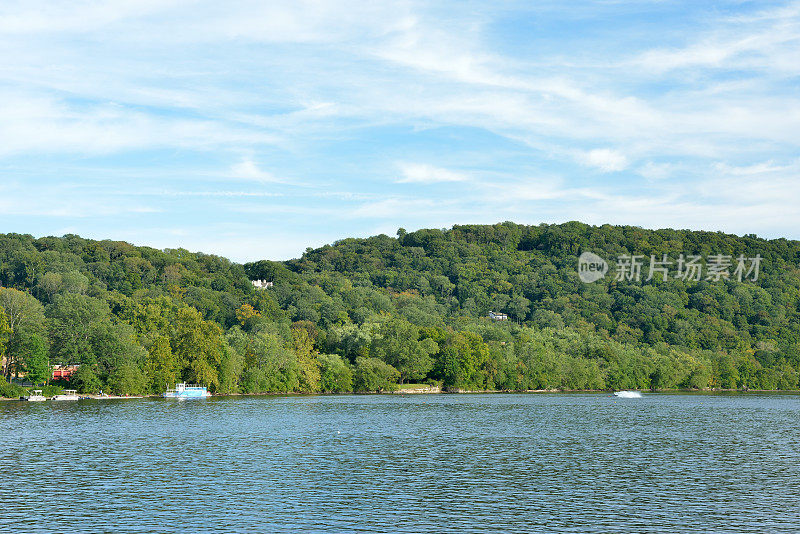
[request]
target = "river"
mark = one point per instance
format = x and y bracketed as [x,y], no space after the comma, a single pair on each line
[418,463]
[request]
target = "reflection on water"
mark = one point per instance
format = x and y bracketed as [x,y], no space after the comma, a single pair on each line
[472,463]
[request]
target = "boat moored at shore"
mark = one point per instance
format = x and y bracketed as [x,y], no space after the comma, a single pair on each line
[182,391]
[67,395]
[36,396]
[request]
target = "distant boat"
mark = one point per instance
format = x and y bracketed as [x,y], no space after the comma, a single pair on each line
[67,395]
[182,391]
[35,397]
[628,394]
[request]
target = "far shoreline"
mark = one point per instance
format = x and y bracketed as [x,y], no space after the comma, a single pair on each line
[437,391]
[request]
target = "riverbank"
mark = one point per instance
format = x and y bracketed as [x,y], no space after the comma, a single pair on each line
[436,390]
[416,389]
[88,396]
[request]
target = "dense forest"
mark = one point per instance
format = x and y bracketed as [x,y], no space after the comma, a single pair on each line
[369,314]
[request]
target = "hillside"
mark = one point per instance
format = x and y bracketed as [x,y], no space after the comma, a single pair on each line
[363,314]
[530,272]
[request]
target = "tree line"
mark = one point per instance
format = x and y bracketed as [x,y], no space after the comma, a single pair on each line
[369,314]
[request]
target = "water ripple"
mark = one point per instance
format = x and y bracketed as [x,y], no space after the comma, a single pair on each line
[471,463]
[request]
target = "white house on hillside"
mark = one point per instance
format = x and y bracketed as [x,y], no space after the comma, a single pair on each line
[261,284]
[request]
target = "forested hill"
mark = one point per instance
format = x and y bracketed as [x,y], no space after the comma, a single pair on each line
[364,314]
[531,273]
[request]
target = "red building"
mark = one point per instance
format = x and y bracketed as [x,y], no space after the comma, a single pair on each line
[64,372]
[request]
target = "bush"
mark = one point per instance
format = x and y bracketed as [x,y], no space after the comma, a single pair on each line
[374,375]
[336,376]
[11,391]
[86,380]
[50,390]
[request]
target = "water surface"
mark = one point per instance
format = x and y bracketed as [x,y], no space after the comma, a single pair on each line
[418,463]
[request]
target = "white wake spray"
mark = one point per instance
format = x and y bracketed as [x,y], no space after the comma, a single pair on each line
[628,394]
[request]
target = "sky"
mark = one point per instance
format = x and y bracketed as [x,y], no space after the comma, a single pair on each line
[257,129]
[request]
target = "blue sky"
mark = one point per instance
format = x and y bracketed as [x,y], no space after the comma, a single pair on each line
[256,129]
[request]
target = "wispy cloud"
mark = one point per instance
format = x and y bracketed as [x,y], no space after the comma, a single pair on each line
[424,173]
[395,113]
[392,208]
[656,171]
[766,40]
[605,159]
[248,170]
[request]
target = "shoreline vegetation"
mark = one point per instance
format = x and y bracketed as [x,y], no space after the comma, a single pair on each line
[434,390]
[473,308]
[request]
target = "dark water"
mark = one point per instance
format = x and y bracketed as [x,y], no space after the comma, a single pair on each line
[426,463]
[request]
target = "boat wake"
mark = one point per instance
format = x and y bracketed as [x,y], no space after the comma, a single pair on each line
[628,394]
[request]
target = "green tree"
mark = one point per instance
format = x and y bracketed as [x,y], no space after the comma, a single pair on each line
[374,375]
[25,316]
[306,360]
[116,346]
[5,335]
[247,316]
[518,307]
[128,378]
[49,284]
[700,377]
[336,375]
[726,371]
[162,366]
[36,360]
[197,344]
[230,370]
[270,366]
[398,344]
[462,362]
[86,380]
[73,320]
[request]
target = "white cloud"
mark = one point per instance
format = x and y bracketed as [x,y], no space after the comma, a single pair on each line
[394,207]
[424,173]
[766,184]
[347,74]
[66,203]
[605,159]
[46,125]
[42,16]
[228,194]
[766,41]
[756,169]
[709,113]
[248,170]
[656,171]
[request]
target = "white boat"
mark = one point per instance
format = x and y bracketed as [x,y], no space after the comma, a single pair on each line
[182,391]
[67,395]
[628,394]
[36,396]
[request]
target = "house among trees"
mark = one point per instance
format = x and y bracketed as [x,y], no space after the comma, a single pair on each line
[261,284]
[64,372]
[498,316]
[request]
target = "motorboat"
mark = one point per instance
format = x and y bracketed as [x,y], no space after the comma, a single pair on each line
[36,396]
[183,391]
[67,395]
